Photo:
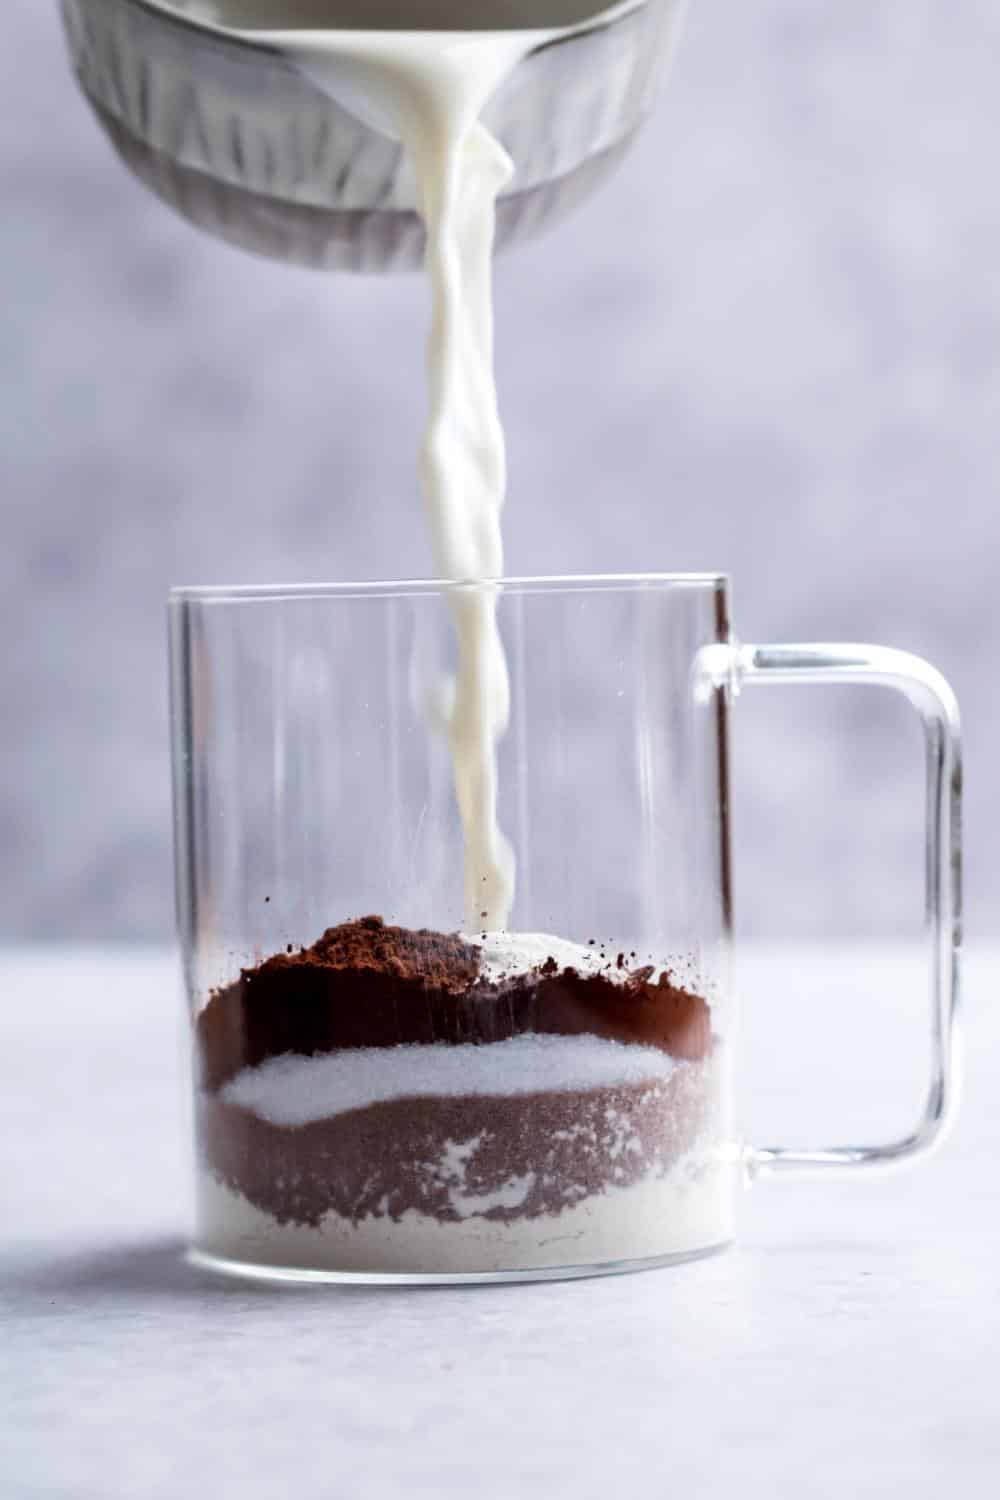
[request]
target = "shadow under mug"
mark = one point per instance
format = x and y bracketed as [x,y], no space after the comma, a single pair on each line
[586,1126]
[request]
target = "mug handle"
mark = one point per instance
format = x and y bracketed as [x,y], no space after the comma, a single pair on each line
[934,701]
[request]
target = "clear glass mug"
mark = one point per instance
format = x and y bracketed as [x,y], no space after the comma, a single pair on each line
[391,1100]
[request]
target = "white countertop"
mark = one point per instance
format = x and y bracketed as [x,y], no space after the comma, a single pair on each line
[847,1348]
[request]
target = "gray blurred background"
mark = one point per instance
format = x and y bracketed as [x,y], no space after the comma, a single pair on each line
[770,347]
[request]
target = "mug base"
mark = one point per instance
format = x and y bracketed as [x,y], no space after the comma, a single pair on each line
[309,1276]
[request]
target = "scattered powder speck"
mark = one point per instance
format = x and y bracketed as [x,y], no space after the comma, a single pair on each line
[503,955]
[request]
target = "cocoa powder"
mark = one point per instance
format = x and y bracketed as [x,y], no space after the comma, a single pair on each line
[368,984]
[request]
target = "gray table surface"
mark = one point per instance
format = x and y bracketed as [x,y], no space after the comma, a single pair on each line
[847,1347]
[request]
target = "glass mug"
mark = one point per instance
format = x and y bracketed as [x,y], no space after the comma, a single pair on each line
[382,1097]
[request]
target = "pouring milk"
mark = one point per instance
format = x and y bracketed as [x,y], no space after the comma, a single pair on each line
[427,87]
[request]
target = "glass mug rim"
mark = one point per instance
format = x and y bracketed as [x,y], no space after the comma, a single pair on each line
[403,588]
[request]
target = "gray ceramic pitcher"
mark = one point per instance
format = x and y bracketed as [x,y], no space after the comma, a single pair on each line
[227,131]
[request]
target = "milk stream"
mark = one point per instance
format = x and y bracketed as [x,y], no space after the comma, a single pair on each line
[427,88]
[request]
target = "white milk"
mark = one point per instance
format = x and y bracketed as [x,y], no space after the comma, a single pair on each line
[428,88]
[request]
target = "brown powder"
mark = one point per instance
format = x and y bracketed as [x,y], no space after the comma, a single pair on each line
[386,1159]
[440,960]
[366,984]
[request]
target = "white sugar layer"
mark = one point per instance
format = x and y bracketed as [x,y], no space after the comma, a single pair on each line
[291,1090]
